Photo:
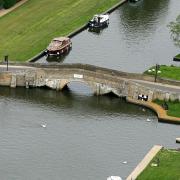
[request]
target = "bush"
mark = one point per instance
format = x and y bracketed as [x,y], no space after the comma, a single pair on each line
[1,3]
[8,3]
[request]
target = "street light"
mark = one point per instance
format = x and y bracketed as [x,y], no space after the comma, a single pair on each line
[156,72]
[6,60]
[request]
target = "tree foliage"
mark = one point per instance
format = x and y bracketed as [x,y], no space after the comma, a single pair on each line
[175,31]
[1,3]
[7,3]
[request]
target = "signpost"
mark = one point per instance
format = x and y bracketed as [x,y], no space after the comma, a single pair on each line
[6,60]
[156,72]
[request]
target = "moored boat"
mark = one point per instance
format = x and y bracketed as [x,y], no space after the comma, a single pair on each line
[99,21]
[59,46]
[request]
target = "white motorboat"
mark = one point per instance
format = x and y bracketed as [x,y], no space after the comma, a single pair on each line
[99,21]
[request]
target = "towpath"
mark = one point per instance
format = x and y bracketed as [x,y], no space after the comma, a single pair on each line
[144,163]
[6,11]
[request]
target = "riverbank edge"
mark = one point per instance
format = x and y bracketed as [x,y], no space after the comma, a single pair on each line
[144,163]
[161,113]
[168,69]
[177,58]
[78,30]
[3,12]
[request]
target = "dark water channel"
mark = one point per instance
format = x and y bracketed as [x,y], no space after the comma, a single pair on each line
[137,38]
[89,137]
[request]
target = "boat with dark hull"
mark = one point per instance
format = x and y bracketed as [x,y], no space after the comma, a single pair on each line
[59,46]
[99,21]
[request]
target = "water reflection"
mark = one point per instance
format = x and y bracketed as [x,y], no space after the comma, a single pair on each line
[72,100]
[139,21]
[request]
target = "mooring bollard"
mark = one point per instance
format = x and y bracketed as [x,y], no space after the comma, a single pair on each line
[6,60]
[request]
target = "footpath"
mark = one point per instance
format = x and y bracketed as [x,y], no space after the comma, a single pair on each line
[161,113]
[6,11]
[144,163]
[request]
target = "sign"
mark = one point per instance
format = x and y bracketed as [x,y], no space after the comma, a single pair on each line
[78,76]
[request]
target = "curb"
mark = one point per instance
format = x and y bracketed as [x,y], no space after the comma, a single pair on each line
[144,163]
[161,113]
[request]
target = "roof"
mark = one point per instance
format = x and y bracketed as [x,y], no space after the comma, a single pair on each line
[61,39]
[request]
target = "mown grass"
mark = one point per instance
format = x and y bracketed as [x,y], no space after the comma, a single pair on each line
[173,107]
[170,72]
[168,169]
[29,29]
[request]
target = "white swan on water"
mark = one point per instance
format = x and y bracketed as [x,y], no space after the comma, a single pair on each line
[114,178]
[43,125]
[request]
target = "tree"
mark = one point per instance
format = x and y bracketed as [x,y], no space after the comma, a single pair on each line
[175,31]
[9,3]
[1,3]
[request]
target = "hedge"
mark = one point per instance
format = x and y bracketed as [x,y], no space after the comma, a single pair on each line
[7,3]
[1,3]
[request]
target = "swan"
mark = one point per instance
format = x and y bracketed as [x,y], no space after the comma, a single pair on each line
[43,125]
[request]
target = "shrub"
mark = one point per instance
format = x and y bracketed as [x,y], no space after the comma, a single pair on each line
[1,3]
[8,3]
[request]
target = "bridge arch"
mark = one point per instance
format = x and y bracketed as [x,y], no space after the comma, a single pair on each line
[64,83]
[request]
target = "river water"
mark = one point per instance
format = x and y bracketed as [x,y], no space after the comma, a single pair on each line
[136,39]
[89,137]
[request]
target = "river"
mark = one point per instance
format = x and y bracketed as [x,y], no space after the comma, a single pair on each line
[89,137]
[136,39]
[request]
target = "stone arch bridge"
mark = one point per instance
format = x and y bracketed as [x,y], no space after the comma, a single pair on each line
[101,80]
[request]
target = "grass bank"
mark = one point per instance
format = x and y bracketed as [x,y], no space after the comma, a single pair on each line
[168,169]
[170,72]
[28,30]
[173,107]
[177,57]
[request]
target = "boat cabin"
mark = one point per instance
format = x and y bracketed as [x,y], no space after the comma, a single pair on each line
[59,46]
[99,21]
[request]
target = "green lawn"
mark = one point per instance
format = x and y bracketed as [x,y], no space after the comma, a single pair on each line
[170,72]
[29,29]
[173,107]
[168,169]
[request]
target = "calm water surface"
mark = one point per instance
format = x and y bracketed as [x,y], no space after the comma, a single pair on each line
[86,137]
[89,137]
[136,39]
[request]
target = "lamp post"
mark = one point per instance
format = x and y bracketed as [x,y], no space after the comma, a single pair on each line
[6,60]
[156,72]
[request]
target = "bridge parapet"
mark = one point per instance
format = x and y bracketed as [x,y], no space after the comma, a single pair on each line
[101,80]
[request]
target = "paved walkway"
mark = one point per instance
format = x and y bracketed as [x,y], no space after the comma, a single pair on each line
[12,68]
[144,163]
[162,114]
[6,11]
[160,86]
